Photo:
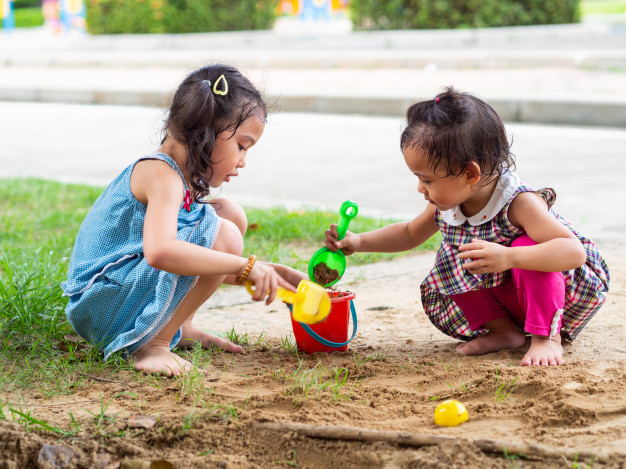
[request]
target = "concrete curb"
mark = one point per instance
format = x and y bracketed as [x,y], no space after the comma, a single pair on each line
[312,59]
[592,111]
[600,33]
[585,111]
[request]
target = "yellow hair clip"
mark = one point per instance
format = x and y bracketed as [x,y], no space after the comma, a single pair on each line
[222,92]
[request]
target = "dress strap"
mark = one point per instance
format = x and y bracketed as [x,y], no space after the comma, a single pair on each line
[168,160]
[547,193]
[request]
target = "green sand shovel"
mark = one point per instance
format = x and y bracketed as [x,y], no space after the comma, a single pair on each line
[335,260]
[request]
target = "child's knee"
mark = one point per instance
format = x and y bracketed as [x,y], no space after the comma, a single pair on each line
[229,210]
[229,239]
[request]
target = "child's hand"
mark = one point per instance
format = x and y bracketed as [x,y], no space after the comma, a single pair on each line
[266,282]
[293,276]
[486,257]
[349,244]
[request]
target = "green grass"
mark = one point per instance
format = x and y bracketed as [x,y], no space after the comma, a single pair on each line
[28,17]
[291,237]
[40,220]
[46,215]
[603,7]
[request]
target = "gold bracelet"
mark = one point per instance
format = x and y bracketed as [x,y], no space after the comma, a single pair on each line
[244,275]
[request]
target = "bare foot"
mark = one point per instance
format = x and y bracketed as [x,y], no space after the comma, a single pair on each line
[192,335]
[544,352]
[493,341]
[157,358]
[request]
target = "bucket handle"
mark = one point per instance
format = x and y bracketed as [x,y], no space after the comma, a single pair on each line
[328,343]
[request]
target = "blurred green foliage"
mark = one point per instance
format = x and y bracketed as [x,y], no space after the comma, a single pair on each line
[451,14]
[28,17]
[178,16]
[17,4]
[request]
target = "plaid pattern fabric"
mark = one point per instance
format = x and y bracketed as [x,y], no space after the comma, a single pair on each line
[585,287]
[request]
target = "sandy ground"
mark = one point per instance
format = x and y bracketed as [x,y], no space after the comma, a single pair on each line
[389,381]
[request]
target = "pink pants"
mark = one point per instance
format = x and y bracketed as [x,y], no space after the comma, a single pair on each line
[531,298]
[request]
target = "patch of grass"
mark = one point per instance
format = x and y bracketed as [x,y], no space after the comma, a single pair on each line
[192,387]
[28,17]
[310,382]
[512,461]
[46,215]
[504,388]
[292,236]
[582,465]
[102,420]
[261,342]
[603,7]
[40,220]
[238,339]
[40,214]
[224,413]
[360,360]
[31,305]
[289,344]
[31,423]
[289,462]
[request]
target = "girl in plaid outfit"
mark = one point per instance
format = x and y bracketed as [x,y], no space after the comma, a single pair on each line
[150,251]
[509,265]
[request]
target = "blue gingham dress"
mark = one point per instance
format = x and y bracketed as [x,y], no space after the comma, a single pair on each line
[116,300]
[585,287]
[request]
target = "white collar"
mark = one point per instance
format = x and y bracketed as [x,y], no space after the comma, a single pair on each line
[507,185]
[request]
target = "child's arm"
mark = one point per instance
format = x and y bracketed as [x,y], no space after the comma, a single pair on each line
[293,276]
[557,248]
[160,188]
[396,237]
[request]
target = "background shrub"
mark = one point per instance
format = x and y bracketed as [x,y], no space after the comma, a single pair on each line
[451,14]
[27,13]
[26,4]
[28,17]
[178,16]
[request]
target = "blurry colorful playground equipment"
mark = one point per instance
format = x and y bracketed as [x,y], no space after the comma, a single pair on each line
[316,10]
[7,18]
[59,15]
[65,15]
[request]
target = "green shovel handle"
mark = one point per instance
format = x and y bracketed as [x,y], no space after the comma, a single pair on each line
[347,211]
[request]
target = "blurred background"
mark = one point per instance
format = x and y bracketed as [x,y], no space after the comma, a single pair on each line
[185,16]
[83,86]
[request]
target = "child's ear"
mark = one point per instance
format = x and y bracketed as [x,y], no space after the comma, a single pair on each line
[472,173]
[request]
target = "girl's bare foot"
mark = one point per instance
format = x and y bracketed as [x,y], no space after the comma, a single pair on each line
[157,358]
[503,334]
[544,352]
[192,334]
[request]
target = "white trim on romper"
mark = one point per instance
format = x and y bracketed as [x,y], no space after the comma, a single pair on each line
[554,326]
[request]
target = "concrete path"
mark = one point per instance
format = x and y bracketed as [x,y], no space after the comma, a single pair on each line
[317,160]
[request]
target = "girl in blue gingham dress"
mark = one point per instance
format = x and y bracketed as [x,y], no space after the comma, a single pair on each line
[509,265]
[150,252]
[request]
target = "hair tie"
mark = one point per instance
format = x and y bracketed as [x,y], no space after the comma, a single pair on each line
[208,82]
[437,99]
[223,92]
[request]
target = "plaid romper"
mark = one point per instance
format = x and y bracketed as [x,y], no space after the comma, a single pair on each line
[585,287]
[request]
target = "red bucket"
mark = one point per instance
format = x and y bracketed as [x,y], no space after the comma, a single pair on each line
[334,328]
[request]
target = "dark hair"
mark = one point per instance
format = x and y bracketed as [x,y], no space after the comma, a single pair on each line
[455,129]
[197,116]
